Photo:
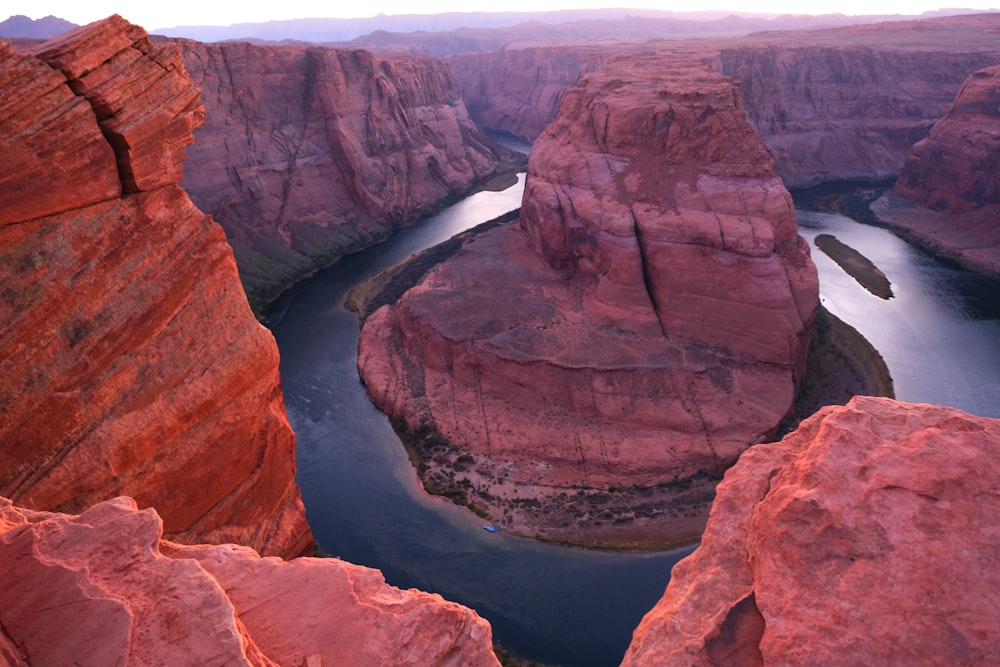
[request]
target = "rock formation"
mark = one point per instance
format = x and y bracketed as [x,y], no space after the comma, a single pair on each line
[132,364]
[867,536]
[102,588]
[835,104]
[309,153]
[642,326]
[829,113]
[948,194]
[517,90]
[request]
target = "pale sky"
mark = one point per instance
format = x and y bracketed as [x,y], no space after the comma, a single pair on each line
[152,14]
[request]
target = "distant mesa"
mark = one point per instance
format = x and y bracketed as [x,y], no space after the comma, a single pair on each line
[26,28]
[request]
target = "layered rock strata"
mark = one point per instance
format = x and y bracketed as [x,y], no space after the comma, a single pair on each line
[132,363]
[837,104]
[644,323]
[829,113]
[867,536]
[102,588]
[517,90]
[309,153]
[948,194]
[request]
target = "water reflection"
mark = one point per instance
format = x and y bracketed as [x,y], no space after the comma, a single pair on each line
[940,335]
[551,604]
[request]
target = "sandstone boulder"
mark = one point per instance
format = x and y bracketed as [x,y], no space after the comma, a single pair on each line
[102,588]
[865,537]
[132,363]
[642,326]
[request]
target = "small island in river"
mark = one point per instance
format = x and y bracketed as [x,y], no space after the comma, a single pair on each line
[856,265]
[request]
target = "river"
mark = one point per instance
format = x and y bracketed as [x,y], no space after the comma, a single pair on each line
[939,334]
[553,604]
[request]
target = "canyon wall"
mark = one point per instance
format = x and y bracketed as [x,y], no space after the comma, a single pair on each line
[948,195]
[517,90]
[835,104]
[587,372]
[307,154]
[132,364]
[867,536]
[829,113]
[102,588]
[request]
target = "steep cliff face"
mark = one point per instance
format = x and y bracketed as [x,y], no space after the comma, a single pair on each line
[132,363]
[867,536]
[643,325]
[309,153]
[948,195]
[517,90]
[102,588]
[840,112]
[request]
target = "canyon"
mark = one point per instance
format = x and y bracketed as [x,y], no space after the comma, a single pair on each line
[587,373]
[644,336]
[132,364]
[807,535]
[947,197]
[833,104]
[309,153]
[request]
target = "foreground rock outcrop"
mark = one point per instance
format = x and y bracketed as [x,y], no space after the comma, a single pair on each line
[867,536]
[307,154]
[948,194]
[645,322]
[103,588]
[132,364]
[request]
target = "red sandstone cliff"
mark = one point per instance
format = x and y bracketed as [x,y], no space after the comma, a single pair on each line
[644,324]
[948,194]
[102,588]
[132,364]
[866,537]
[309,153]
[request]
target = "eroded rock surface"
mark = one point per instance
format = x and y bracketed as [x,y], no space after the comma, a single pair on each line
[948,195]
[132,364]
[644,323]
[867,536]
[309,153]
[103,588]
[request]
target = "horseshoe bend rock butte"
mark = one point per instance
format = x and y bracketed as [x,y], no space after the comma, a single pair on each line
[132,364]
[866,537]
[644,323]
[948,194]
[103,588]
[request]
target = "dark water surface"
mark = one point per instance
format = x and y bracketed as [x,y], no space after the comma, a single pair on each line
[553,604]
[940,336]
